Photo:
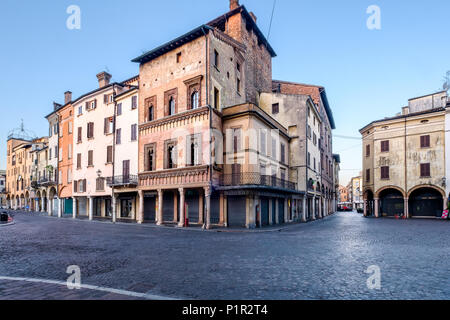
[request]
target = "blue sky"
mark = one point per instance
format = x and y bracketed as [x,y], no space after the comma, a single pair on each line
[368,74]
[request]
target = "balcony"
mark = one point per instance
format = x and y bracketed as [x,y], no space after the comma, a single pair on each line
[47,182]
[121,181]
[34,184]
[252,178]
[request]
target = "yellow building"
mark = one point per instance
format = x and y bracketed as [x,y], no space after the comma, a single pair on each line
[404,163]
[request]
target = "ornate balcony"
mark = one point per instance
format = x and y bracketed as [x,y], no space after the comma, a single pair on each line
[257,179]
[47,182]
[122,181]
[176,177]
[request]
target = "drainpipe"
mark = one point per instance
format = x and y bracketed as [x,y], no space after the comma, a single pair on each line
[114,149]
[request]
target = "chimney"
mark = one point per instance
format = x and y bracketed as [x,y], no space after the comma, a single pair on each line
[234,4]
[67,97]
[103,79]
[253,16]
[405,111]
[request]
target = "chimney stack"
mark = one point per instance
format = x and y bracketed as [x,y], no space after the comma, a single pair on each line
[103,79]
[234,4]
[67,97]
[253,16]
[405,111]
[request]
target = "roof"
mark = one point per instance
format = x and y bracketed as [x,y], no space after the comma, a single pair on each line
[403,116]
[171,45]
[428,95]
[322,94]
[248,17]
[201,31]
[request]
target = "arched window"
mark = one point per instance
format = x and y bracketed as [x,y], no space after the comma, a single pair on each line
[194,100]
[171,106]
[150,113]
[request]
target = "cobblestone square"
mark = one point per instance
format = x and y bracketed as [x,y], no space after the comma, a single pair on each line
[326,259]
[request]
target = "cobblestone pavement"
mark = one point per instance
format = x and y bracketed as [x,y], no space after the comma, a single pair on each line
[326,259]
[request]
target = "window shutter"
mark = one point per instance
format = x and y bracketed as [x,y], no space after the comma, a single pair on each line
[87,105]
[105,98]
[109,154]
[106,126]
[75,186]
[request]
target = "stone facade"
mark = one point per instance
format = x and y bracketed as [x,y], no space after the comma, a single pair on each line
[404,164]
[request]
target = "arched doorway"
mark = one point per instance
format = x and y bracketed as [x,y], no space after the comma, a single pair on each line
[369,203]
[426,202]
[391,203]
[22,201]
[37,201]
[27,203]
[52,196]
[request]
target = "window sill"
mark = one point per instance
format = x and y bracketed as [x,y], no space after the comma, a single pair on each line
[91,166]
[425,177]
[108,163]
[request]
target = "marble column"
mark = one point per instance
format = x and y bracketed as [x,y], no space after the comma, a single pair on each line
[208,206]
[160,207]
[60,208]
[91,208]
[182,208]
[200,208]
[304,209]
[140,218]
[406,208]
[114,207]
[74,207]
[271,212]
[313,216]
[376,208]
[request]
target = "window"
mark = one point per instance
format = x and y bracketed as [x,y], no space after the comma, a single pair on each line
[263,142]
[80,110]
[79,139]
[275,108]
[178,57]
[425,141]
[90,158]
[237,147]
[151,115]
[314,139]
[385,146]
[90,105]
[368,151]
[109,125]
[133,102]
[150,157]
[133,132]
[309,131]
[171,106]
[274,148]
[194,100]
[100,184]
[238,85]
[90,130]
[108,98]
[193,149]
[309,159]
[109,154]
[216,98]
[70,130]
[171,154]
[119,109]
[384,172]
[283,153]
[79,161]
[216,59]
[238,67]
[60,154]
[425,170]
[69,175]
[367,175]
[118,136]
[50,154]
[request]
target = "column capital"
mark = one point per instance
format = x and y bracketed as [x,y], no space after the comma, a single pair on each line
[181,190]
[141,193]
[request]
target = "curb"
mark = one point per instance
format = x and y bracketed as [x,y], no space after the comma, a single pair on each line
[7,224]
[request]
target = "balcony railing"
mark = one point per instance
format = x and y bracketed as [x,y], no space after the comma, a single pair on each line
[252,178]
[128,180]
[47,182]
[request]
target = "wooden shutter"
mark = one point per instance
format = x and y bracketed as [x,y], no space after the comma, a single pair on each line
[126,168]
[106,126]
[75,186]
[90,157]
[79,134]
[109,154]
[105,98]
[79,161]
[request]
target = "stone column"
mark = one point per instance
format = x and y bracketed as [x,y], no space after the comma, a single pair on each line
[160,207]
[74,207]
[225,211]
[365,208]
[277,208]
[286,211]
[49,207]
[43,204]
[376,208]
[114,207]
[208,207]
[406,208]
[270,211]
[222,209]
[304,209]
[200,208]
[140,218]
[59,208]
[313,216]
[91,208]
[182,209]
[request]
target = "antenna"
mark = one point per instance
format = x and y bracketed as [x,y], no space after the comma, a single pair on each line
[271,19]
